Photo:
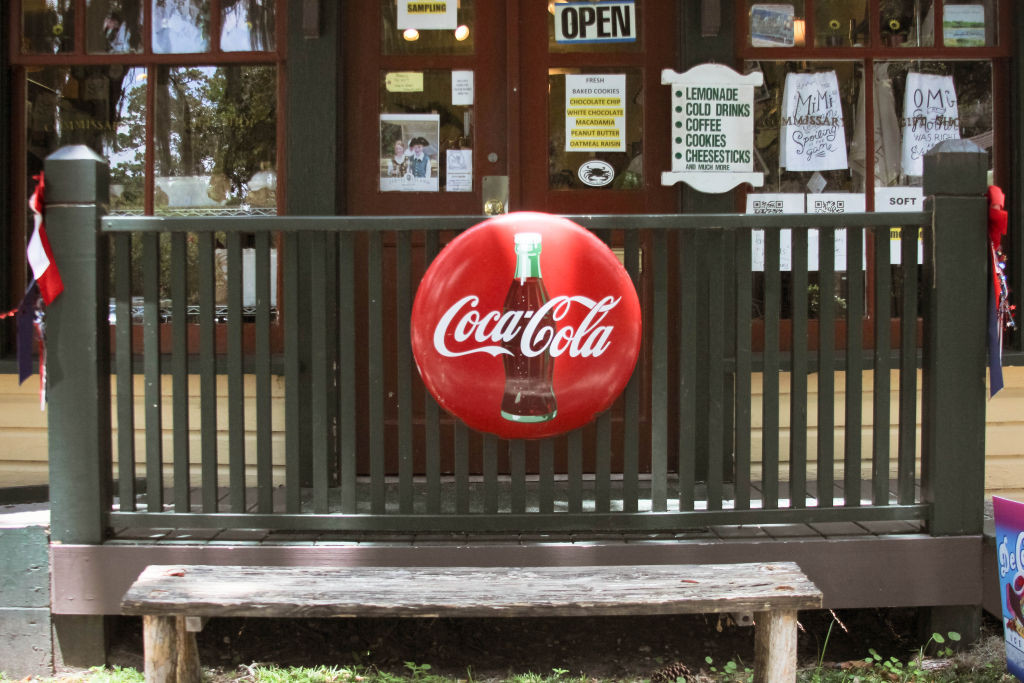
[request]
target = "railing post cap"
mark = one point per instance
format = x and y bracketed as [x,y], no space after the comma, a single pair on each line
[75,174]
[955,167]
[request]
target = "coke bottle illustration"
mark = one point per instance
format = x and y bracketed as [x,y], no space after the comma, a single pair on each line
[529,394]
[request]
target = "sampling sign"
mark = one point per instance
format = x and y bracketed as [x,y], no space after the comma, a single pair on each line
[595,113]
[712,128]
[1009,518]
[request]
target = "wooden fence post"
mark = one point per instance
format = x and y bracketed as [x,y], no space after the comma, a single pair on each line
[954,356]
[78,375]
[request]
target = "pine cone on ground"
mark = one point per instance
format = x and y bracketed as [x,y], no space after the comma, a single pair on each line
[673,673]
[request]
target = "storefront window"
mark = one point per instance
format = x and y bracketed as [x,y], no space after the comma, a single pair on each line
[247,25]
[114,27]
[47,27]
[967,23]
[215,139]
[775,24]
[907,23]
[841,23]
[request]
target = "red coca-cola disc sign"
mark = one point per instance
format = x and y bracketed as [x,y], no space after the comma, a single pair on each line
[526,326]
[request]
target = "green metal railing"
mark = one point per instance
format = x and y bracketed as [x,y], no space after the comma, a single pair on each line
[361,447]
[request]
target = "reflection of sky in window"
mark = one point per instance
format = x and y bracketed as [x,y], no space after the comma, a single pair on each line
[236,35]
[176,28]
[134,85]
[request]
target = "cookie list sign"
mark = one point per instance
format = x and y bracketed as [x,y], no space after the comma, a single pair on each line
[712,128]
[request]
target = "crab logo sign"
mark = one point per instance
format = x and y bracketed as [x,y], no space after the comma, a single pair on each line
[596,173]
[526,326]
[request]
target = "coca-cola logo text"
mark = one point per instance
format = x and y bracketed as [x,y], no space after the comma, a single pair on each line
[587,340]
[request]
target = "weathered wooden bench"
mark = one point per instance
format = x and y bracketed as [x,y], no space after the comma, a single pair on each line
[175,600]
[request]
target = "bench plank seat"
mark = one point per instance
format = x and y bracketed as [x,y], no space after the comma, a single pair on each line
[170,596]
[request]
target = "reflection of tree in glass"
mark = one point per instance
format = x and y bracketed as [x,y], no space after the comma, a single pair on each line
[219,122]
[255,17]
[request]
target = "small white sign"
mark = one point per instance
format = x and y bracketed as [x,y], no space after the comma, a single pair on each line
[596,173]
[770,204]
[835,202]
[459,169]
[595,22]
[595,113]
[930,115]
[900,198]
[462,88]
[427,14]
[813,137]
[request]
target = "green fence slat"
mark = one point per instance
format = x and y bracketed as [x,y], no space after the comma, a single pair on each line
[261,368]
[293,385]
[880,428]
[375,353]
[826,366]
[659,373]
[742,412]
[179,371]
[517,471]
[236,385]
[854,365]
[770,382]
[404,368]
[603,462]
[798,372]
[124,365]
[461,443]
[716,347]
[320,373]
[151,371]
[348,410]
[632,396]
[546,486]
[907,437]
[687,258]
[490,467]
[206,263]
[575,470]
[432,412]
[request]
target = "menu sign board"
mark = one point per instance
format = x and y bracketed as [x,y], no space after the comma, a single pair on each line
[712,128]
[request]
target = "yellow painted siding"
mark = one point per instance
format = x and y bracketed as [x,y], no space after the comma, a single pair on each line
[23,443]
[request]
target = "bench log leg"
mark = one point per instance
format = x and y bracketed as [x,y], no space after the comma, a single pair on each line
[775,646]
[171,655]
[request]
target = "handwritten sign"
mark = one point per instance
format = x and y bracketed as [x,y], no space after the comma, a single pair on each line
[712,128]
[930,115]
[770,204]
[595,113]
[813,137]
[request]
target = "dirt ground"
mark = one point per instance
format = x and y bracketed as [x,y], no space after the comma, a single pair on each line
[608,647]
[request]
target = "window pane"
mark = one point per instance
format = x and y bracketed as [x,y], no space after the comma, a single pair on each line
[841,23]
[247,25]
[582,27]
[769,118]
[114,26]
[101,107]
[907,23]
[967,23]
[907,127]
[409,41]
[775,24]
[426,136]
[47,26]
[181,26]
[610,117]
[215,144]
